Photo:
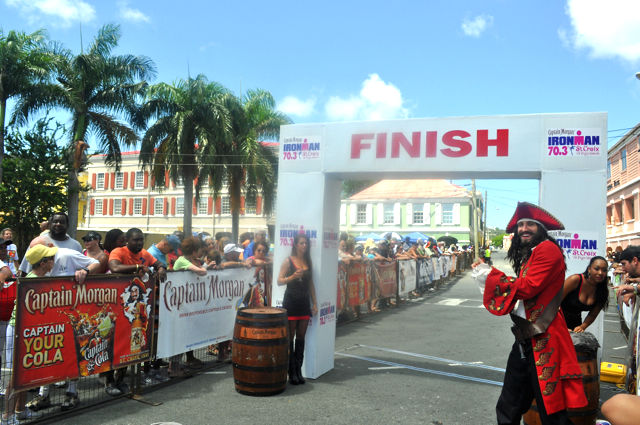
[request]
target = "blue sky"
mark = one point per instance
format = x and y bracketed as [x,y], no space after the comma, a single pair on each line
[361,60]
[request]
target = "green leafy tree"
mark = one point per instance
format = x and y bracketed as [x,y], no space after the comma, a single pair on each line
[25,61]
[497,240]
[32,157]
[102,92]
[248,165]
[190,122]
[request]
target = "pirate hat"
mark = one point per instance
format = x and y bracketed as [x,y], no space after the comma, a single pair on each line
[527,211]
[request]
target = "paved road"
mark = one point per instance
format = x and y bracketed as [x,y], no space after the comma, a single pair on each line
[435,360]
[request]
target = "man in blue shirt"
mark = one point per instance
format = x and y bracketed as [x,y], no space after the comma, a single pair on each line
[260,236]
[164,247]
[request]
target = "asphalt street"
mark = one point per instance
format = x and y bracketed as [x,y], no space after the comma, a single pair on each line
[435,360]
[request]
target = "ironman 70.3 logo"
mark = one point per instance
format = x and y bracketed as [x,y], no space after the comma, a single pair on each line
[300,148]
[573,142]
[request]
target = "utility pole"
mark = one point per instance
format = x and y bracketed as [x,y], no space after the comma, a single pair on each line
[474,203]
[484,224]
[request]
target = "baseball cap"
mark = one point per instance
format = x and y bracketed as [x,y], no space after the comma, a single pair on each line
[231,247]
[91,236]
[174,241]
[38,252]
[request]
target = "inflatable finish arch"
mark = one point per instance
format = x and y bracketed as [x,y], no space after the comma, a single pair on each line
[566,152]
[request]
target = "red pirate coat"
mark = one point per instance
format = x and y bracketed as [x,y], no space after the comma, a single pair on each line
[540,279]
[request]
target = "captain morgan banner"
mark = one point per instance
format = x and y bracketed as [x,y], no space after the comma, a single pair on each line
[196,311]
[65,330]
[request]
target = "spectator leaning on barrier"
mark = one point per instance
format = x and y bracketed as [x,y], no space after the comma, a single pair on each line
[164,247]
[67,262]
[623,409]
[94,250]
[13,261]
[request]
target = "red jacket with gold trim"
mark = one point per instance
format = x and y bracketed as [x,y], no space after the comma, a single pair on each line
[541,277]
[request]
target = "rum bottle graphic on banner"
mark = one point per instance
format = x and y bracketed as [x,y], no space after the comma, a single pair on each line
[93,337]
[137,330]
[136,309]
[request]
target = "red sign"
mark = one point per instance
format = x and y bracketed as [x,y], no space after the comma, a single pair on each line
[357,276]
[65,330]
[387,282]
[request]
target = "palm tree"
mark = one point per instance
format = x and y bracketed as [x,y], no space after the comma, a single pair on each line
[190,123]
[25,61]
[244,161]
[98,89]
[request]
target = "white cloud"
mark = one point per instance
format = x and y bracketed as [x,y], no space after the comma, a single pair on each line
[606,29]
[66,12]
[291,105]
[476,26]
[131,14]
[377,101]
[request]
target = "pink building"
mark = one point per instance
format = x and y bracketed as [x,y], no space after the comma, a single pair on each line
[623,187]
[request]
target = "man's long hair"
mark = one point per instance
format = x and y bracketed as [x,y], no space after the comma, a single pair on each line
[519,252]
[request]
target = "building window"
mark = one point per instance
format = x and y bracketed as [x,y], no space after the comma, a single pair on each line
[119,184]
[179,206]
[202,206]
[361,214]
[629,213]
[117,206]
[99,206]
[447,214]
[250,206]
[137,206]
[609,169]
[100,181]
[158,206]
[226,205]
[388,214]
[139,180]
[623,159]
[418,213]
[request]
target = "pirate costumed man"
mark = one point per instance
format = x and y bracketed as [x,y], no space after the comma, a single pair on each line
[542,363]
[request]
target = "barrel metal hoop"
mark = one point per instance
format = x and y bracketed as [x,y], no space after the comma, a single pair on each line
[277,368]
[278,315]
[260,385]
[261,342]
[261,324]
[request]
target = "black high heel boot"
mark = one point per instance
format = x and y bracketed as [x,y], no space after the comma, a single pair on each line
[293,375]
[299,355]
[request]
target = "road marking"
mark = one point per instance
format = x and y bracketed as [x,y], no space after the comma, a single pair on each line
[385,367]
[452,301]
[438,359]
[619,348]
[215,373]
[423,370]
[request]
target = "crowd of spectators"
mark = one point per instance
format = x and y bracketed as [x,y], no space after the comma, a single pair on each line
[55,253]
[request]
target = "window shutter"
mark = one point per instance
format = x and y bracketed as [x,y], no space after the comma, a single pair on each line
[133,180]
[456,213]
[209,205]
[165,206]
[173,206]
[396,213]
[113,180]
[353,214]
[166,179]
[125,180]
[218,205]
[144,206]
[194,206]
[380,213]
[93,181]
[409,208]
[106,181]
[146,179]
[427,213]
[242,205]
[259,205]
[111,205]
[369,213]
[343,213]
[124,206]
[92,208]
[152,205]
[130,206]
[105,207]
[438,213]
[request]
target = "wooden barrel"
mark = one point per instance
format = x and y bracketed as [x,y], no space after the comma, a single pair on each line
[260,352]
[586,346]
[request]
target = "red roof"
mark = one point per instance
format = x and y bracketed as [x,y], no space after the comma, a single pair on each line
[411,189]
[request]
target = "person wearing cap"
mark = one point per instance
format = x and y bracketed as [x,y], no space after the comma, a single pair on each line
[231,257]
[66,262]
[42,259]
[93,249]
[542,363]
[160,250]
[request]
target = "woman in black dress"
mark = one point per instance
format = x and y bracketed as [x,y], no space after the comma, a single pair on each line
[299,300]
[586,292]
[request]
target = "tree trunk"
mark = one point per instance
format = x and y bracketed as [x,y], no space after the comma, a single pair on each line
[73,195]
[234,193]
[3,111]
[188,207]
